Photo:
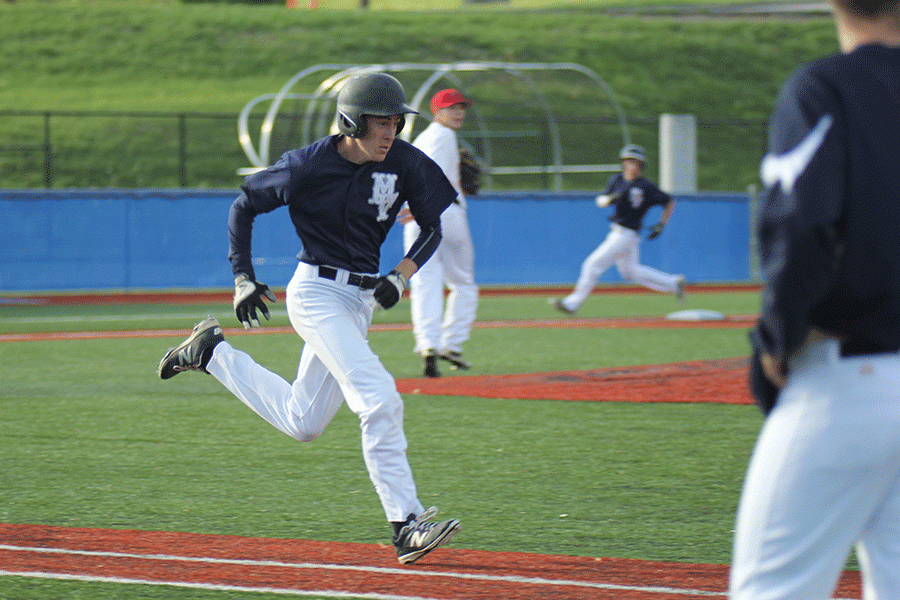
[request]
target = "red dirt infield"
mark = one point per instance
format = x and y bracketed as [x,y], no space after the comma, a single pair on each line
[723,381]
[342,570]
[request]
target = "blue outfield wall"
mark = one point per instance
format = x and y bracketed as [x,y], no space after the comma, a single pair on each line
[59,240]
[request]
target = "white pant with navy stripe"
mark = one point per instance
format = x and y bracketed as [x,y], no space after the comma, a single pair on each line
[336,366]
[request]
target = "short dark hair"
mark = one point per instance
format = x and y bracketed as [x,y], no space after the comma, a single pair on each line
[870,8]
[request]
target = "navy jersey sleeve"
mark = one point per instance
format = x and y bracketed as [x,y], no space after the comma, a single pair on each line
[429,193]
[657,196]
[261,192]
[799,224]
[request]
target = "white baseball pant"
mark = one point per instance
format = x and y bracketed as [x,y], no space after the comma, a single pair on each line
[825,475]
[452,263]
[621,247]
[336,366]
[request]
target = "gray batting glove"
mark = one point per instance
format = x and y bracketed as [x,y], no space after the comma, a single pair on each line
[389,289]
[248,296]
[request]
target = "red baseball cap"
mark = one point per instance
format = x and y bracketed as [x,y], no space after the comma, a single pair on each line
[445,98]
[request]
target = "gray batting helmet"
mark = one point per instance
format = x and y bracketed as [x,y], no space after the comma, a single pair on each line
[633,151]
[377,94]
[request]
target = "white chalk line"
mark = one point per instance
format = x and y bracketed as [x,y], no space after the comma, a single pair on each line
[359,568]
[212,586]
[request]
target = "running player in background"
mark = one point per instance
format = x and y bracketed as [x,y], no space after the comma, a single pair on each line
[632,195]
[825,473]
[343,194]
[439,332]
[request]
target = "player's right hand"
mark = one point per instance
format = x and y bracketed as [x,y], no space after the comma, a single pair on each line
[248,296]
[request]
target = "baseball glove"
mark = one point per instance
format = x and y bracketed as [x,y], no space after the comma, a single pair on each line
[469,174]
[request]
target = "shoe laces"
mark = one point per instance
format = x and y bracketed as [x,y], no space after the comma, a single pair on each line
[420,521]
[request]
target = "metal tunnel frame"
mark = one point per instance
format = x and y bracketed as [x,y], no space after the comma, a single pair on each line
[319,114]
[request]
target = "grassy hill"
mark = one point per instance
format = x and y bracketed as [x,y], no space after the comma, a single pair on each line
[214,58]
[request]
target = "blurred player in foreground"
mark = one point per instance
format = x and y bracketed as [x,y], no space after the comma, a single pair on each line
[825,473]
[632,195]
[343,193]
[453,262]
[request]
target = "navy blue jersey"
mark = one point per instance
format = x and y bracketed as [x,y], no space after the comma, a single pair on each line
[829,226]
[343,211]
[632,199]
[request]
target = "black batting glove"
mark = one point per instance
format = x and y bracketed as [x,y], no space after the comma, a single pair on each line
[655,231]
[248,296]
[388,289]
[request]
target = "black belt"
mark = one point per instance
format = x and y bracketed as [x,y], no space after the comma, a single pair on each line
[364,282]
[857,347]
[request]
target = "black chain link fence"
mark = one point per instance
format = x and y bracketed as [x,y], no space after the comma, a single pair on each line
[97,149]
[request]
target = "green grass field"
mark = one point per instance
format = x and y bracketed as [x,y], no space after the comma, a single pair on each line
[90,437]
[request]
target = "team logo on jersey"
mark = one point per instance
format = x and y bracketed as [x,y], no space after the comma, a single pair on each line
[383,193]
[636,196]
[787,168]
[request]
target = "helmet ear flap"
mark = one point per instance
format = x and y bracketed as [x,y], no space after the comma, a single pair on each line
[349,127]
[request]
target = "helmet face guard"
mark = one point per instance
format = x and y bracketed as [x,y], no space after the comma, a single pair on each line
[375,94]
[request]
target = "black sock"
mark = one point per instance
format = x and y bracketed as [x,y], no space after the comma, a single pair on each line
[398,525]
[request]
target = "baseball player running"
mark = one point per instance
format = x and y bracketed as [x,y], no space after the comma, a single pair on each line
[343,194]
[825,473]
[632,195]
[454,260]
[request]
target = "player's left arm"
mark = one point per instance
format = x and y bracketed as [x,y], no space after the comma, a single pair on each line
[668,203]
[390,287]
[799,225]
[667,211]
[428,193]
